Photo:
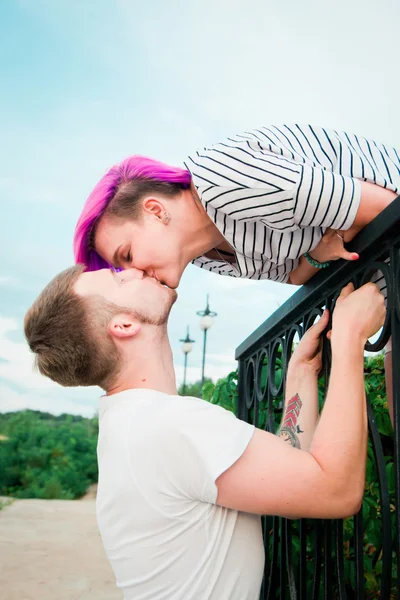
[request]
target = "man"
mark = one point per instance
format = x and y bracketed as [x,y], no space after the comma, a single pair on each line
[182,482]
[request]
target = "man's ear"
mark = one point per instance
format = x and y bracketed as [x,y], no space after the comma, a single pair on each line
[123,326]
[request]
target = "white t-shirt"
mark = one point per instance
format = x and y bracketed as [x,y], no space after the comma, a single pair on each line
[166,539]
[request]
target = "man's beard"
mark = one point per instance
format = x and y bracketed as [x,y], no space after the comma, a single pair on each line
[160,319]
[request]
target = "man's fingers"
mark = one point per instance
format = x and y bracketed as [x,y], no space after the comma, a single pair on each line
[320,325]
[323,321]
[346,291]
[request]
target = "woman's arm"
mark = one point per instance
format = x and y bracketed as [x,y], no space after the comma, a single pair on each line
[302,273]
[331,247]
[374,199]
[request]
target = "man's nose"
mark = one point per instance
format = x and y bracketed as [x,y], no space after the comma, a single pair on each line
[133,273]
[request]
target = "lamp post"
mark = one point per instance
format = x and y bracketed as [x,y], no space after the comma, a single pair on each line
[205,323]
[186,348]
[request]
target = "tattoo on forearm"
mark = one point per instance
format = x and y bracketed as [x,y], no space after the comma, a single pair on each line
[289,428]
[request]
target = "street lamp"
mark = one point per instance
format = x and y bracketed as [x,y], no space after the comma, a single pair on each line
[205,323]
[186,348]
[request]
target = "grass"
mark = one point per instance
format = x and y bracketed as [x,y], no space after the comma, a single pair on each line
[5,502]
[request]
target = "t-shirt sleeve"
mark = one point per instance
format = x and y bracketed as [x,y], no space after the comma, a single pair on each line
[249,183]
[198,445]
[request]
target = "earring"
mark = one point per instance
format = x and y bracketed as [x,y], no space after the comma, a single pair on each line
[166,218]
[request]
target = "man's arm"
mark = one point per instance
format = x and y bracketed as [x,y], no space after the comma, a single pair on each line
[274,478]
[300,413]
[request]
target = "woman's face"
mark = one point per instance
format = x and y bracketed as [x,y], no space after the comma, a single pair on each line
[146,244]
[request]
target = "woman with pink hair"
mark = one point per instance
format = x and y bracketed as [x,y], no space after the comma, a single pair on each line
[274,203]
[256,205]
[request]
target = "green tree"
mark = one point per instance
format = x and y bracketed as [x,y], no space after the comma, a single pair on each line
[193,389]
[42,456]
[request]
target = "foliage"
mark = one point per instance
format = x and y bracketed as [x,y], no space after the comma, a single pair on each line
[225,393]
[193,389]
[42,456]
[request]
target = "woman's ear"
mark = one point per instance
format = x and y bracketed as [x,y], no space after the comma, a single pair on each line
[123,326]
[153,206]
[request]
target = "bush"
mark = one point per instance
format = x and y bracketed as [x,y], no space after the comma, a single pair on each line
[193,389]
[42,456]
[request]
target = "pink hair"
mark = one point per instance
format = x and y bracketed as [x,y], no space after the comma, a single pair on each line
[134,167]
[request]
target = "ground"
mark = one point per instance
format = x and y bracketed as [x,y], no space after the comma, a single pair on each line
[51,550]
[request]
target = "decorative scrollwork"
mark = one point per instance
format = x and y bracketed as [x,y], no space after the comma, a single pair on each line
[294,549]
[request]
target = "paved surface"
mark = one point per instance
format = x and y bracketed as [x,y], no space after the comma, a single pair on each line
[51,550]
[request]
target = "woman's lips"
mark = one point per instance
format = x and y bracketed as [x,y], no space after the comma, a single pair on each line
[154,276]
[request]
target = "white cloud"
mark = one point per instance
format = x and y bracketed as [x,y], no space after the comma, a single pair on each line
[18,365]
[34,390]
[7,324]
[40,393]
[12,401]
[13,283]
[234,283]
[6,280]
[214,371]
[225,359]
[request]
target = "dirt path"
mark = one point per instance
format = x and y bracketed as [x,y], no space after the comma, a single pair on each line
[51,550]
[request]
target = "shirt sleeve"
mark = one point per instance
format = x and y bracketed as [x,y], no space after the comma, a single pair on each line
[247,182]
[198,445]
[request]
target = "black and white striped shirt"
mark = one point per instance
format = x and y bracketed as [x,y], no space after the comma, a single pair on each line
[273,191]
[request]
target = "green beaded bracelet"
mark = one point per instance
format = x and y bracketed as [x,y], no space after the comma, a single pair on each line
[315,263]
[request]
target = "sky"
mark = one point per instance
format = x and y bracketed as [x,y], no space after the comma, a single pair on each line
[86,83]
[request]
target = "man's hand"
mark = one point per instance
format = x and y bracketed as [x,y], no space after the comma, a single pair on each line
[308,353]
[331,247]
[327,481]
[358,314]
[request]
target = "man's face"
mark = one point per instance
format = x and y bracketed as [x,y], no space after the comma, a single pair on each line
[132,290]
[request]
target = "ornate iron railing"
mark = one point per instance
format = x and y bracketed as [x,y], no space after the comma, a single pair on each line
[331,559]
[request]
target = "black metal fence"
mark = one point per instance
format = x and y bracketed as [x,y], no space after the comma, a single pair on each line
[332,559]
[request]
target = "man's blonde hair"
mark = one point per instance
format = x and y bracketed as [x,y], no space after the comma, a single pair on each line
[68,334]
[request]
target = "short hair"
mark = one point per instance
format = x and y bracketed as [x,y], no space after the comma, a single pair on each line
[118,193]
[68,334]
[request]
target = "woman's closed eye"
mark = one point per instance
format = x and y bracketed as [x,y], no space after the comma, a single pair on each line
[128,257]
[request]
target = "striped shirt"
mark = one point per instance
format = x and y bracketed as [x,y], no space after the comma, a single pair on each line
[273,191]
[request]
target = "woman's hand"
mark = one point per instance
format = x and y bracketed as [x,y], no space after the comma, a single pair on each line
[331,247]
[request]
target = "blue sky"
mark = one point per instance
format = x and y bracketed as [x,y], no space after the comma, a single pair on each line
[85,84]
